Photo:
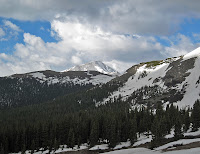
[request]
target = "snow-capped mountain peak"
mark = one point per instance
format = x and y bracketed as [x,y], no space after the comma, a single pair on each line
[194,53]
[94,66]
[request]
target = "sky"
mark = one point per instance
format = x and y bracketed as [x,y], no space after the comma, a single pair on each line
[48,34]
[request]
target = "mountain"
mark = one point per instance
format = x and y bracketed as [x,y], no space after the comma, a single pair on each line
[42,86]
[94,66]
[174,80]
[77,108]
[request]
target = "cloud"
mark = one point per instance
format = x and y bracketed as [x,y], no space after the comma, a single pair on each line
[120,66]
[124,17]
[120,33]
[76,60]
[92,41]
[11,25]
[42,28]
[180,45]
[81,43]
[2,33]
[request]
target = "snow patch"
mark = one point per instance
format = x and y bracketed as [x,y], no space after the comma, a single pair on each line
[192,54]
[100,147]
[182,141]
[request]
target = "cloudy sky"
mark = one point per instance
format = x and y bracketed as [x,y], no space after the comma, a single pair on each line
[58,34]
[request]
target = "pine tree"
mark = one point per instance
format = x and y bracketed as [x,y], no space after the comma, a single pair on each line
[24,149]
[178,133]
[33,146]
[133,130]
[158,131]
[112,137]
[2,149]
[94,135]
[186,121]
[196,115]
[56,145]
[71,139]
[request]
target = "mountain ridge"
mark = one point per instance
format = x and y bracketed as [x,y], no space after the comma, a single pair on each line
[173,80]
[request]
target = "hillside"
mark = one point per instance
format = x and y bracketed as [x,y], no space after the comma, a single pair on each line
[57,110]
[174,80]
[42,86]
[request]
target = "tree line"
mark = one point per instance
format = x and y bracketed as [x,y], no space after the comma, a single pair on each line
[111,124]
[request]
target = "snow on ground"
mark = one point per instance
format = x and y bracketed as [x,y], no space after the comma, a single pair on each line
[98,79]
[194,53]
[142,140]
[134,151]
[101,79]
[122,145]
[193,89]
[148,151]
[187,151]
[170,135]
[192,133]
[38,75]
[136,81]
[63,148]
[182,141]
[100,147]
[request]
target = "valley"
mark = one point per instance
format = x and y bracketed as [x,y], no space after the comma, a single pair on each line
[49,111]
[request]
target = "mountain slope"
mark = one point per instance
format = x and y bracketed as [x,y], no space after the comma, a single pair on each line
[94,66]
[41,86]
[174,80]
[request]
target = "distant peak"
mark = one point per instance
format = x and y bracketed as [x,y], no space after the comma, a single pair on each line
[94,66]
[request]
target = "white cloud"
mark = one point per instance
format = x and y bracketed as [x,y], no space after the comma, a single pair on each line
[81,43]
[78,43]
[92,41]
[130,16]
[76,60]
[2,33]
[180,45]
[94,30]
[120,66]
[11,25]
[42,28]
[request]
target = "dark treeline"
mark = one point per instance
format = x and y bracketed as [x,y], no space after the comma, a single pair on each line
[42,126]
[15,92]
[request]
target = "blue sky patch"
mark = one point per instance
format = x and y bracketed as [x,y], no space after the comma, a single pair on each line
[38,28]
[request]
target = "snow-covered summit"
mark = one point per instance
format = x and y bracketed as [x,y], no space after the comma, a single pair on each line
[94,66]
[194,53]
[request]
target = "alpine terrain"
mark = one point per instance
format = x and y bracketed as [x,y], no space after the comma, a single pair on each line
[41,86]
[173,80]
[91,108]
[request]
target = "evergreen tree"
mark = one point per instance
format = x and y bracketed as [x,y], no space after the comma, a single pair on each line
[178,133]
[71,139]
[158,130]
[94,135]
[56,144]
[133,130]
[196,115]
[1,149]
[186,121]
[112,137]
